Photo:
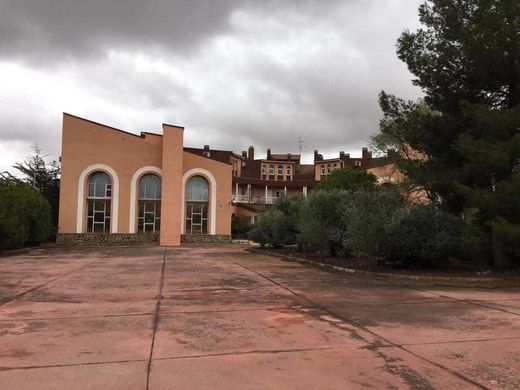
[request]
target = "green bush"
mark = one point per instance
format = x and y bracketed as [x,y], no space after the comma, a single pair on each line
[506,243]
[278,226]
[424,236]
[369,217]
[239,227]
[25,216]
[321,223]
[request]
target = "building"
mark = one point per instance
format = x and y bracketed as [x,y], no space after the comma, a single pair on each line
[121,187]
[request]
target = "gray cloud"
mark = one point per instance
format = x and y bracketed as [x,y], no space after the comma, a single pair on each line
[232,72]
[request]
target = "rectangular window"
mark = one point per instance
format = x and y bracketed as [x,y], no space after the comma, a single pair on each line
[197,218]
[98,216]
[149,218]
[323,170]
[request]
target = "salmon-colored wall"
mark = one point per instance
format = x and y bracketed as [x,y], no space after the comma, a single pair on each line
[388,172]
[223,176]
[171,197]
[85,143]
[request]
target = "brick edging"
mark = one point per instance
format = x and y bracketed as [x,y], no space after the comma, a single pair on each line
[432,280]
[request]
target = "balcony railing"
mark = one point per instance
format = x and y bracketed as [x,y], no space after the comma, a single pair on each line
[254,199]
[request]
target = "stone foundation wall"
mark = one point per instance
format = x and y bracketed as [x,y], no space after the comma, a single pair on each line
[106,238]
[111,238]
[205,239]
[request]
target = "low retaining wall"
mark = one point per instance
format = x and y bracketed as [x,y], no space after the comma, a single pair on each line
[117,238]
[106,238]
[205,239]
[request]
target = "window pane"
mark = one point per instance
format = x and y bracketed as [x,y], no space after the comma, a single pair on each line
[150,187]
[97,185]
[198,189]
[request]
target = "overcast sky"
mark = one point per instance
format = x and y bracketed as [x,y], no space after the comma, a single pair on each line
[232,72]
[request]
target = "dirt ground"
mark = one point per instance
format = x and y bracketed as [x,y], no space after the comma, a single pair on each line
[222,318]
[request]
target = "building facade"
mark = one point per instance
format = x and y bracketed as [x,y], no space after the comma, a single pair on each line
[121,187]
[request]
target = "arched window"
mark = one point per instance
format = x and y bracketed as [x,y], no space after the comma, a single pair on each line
[197,195]
[99,202]
[149,217]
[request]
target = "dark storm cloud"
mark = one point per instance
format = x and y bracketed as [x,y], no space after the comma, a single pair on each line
[50,30]
[232,72]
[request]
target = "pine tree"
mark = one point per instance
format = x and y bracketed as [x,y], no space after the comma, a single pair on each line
[466,131]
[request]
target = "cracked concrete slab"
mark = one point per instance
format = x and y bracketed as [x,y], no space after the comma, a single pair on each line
[219,317]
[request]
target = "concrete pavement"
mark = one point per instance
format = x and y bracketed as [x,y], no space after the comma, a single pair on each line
[222,318]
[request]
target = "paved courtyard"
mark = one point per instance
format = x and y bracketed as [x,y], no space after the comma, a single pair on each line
[223,318]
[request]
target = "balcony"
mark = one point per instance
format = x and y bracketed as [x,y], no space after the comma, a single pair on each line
[254,199]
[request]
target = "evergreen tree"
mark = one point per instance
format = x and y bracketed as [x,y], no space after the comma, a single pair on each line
[348,179]
[43,175]
[465,134]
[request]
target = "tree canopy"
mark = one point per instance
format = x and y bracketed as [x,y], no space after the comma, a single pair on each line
[348,179]
[461,143]
[44,175]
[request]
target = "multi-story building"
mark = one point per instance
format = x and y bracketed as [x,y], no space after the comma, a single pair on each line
[117,186]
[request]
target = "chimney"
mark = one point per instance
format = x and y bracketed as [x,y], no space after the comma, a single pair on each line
[288,156]
[342,155]
[206,153]
[251,153]
[366,154]
[244,155]
[268,154]
[316,155]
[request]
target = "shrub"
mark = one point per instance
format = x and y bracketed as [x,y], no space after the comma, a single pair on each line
[25,216]
[278,226]
[321,223]
[424,236]
[239,227]
[506,243]
[369,217]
